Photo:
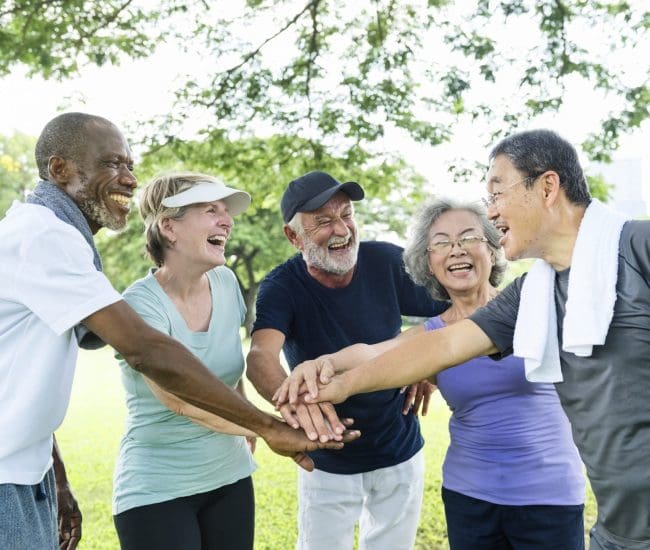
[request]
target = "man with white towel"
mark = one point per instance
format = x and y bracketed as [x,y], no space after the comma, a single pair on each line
[580,318]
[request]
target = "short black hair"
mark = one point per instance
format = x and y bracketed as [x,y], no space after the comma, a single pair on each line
[63,136]
[533,152]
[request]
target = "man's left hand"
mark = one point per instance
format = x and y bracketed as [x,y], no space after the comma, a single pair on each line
[418,395]
[69,518]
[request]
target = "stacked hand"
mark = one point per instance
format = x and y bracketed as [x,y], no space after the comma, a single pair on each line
[318,420]
[287,441]
[316,381]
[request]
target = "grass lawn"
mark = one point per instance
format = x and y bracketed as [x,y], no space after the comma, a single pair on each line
[89,440]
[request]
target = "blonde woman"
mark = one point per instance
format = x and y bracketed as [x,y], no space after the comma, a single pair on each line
[183,476]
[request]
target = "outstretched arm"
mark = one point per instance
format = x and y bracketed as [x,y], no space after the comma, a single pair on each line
[411,360]
[195,414]
[176,370]
[307,375]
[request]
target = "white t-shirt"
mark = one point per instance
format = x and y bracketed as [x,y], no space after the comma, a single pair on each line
[48,284]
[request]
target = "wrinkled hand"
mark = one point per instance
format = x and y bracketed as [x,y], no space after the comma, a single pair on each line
[285,441]
[69,518]
[335,391]
[307,374]
[418,395]
[318,420]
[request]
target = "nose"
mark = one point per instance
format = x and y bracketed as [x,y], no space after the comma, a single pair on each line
[492,212]
[127,178]
[226,220]
[340,228]
[456,249]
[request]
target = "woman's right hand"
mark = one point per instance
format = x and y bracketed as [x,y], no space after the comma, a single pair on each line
[304,379]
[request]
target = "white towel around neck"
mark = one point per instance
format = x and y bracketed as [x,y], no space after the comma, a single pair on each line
[590,298]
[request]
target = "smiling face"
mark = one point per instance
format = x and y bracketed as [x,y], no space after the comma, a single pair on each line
[199,237]
[101,181]
[459,268]
[328,240]
[517,211]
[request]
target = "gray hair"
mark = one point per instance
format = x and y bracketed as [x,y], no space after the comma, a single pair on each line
[416,255]
[533,152]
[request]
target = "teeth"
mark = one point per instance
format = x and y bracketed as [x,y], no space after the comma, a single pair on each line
[458,267]
[217,240]
[336,245]
[120,199]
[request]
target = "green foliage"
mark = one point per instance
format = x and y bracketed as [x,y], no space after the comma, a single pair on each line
[17,168]
[56,38]
[344,75]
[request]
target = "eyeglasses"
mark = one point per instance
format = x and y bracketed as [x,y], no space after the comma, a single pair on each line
[492,198]
[466,242]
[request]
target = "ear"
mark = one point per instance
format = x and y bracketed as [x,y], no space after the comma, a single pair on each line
[59,170]
[550,182]
[166,227]
[292,236]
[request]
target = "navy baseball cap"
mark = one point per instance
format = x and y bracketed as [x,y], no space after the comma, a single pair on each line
[313,190]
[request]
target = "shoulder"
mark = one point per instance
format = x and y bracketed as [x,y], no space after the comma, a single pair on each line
[634,246]
[287,270]
[34,221]
[380,251]
[224,276]
[142,290]
[636,233]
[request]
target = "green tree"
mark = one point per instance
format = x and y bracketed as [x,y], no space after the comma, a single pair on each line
[341,75]
[55,38]
[18,171]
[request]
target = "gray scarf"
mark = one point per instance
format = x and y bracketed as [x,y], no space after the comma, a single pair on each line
[58,201]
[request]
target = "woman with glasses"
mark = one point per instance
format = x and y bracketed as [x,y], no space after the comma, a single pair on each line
[512,477]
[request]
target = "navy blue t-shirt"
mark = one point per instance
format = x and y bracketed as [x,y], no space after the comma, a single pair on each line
[317,320]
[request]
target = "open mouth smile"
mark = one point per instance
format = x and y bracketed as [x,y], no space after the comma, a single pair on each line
[217,240]
[123,201]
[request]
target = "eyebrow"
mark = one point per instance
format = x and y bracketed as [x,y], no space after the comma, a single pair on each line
[443,234]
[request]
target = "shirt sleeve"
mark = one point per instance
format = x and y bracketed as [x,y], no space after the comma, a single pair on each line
[57,280]
[497,319]
[637,246]
[414,299]
[273,307]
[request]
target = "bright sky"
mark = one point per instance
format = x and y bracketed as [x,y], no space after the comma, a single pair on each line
[141,89]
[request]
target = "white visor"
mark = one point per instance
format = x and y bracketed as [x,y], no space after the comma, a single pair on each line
[209,191]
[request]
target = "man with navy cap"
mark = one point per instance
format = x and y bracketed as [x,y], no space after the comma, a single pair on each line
[335,293]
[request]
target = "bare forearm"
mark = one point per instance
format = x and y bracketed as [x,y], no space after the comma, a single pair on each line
[199,416]
[195,384]
[265,372]
[59,469]
[353,356]
[419,357]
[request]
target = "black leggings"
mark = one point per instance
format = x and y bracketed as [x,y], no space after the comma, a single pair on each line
[222,519]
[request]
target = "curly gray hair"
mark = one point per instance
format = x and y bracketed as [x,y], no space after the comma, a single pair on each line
[416,255]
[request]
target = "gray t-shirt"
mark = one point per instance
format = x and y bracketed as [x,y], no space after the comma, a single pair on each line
[606,396]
